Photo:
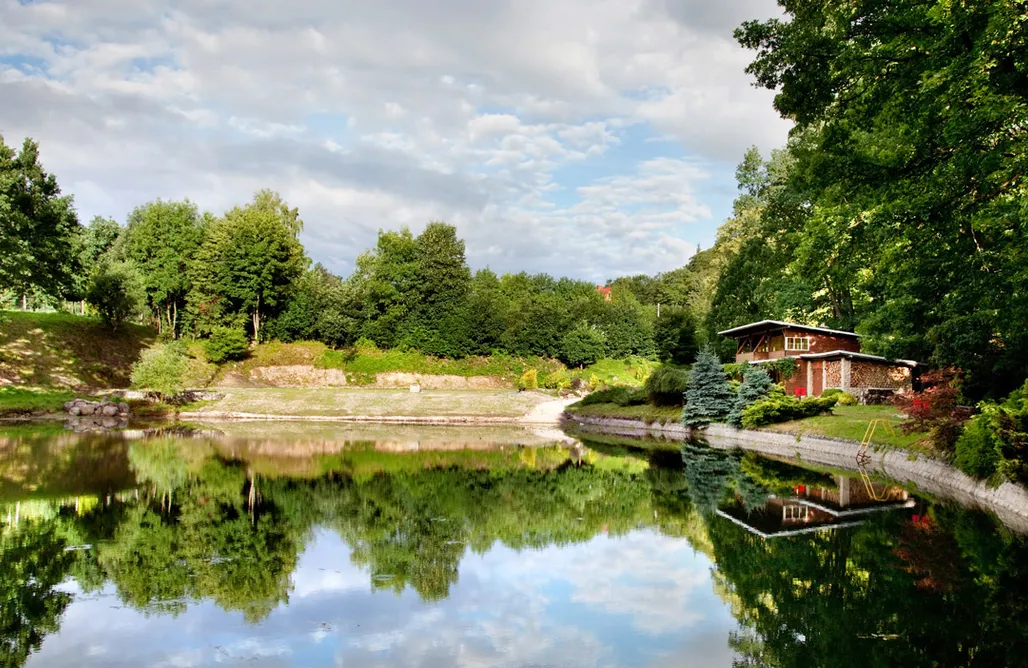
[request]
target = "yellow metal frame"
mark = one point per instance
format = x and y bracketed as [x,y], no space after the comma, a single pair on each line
[864,456]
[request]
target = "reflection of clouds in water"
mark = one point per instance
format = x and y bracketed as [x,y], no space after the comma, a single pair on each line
[644,575]
[642,599]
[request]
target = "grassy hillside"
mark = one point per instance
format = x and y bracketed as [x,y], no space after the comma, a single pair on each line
[60,350]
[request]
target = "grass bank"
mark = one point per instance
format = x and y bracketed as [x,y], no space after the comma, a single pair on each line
[17,402]
[65,351]
[340,402]
[845,422]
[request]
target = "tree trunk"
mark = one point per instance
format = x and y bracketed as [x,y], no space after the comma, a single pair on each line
[24,302]
[174,321]
[257,321]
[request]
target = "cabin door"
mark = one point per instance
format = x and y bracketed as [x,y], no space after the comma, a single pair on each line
[817,377]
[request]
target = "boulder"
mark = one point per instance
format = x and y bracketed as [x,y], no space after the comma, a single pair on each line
[87,408]
[110,410]
[123,407]
[68,405]
[75,410]
[415,387]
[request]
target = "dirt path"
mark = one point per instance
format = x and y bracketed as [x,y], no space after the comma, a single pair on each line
[548,412]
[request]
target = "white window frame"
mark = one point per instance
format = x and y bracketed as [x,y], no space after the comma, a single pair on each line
[794,343]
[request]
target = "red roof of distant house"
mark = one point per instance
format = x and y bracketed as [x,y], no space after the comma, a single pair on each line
[603,291]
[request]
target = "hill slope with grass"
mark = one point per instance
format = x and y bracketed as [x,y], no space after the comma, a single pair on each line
[61,350]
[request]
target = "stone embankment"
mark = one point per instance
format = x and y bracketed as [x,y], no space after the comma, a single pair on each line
[925,474]
[85,415]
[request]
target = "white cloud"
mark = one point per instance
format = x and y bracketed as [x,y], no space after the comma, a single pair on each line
[369,115]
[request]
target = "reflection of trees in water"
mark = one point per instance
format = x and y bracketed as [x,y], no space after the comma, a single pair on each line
[32,563]
[885,593]
[857,597]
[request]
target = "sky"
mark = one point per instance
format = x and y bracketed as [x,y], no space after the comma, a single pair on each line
[644,600]
[583,138]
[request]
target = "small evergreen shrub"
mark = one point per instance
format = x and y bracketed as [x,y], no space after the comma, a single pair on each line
[529,380]
[978,448]
[756,385]
[666,386]
[161,370]
[776,409]
[831,392]
[708,398]
[846,399]
[226,344]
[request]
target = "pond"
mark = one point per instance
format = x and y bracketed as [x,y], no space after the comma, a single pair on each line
[299,545]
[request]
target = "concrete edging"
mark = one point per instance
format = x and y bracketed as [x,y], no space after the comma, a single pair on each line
[932,476]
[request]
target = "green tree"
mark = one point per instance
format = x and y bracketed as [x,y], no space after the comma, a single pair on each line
[162,239]
[249,262]
[582,346]
[38,226]
[708,397]
[674,336]
[115,290]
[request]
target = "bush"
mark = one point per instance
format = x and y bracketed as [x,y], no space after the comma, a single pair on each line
[529,380]
[225,344]
[978,448]
[666,386]
[846,399]
[936,409]
[735,369]
[782,409]
[756,385]
[160,370]
[557,380]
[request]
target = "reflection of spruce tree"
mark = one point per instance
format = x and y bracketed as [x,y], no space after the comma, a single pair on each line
[32,563]
[710,473]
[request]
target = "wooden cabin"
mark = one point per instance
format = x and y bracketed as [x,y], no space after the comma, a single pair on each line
[825,358]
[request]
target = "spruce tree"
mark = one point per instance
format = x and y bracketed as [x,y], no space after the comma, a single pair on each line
[708,398]
[756,385]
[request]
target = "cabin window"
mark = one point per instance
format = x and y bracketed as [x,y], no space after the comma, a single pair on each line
[796,513]
[797,343]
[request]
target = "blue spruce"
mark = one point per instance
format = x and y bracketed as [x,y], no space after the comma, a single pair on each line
[708,398]
[756,385]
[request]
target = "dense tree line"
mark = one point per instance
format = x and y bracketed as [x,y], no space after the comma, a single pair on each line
[190,273]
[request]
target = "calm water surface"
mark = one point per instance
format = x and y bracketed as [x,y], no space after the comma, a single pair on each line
[307,545]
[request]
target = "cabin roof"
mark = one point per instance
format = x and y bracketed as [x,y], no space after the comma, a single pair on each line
[859,356]
[778,324]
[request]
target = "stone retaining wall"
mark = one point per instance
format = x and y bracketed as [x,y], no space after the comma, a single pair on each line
[930,476]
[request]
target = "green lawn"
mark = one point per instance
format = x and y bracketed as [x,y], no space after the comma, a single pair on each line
[338,402]
[17,402]
[62,350]
[850,422]
[644,412]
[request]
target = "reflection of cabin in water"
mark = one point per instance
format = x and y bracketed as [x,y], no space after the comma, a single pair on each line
[815,508]
[825,358]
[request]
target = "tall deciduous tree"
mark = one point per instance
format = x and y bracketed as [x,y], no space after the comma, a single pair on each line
[249,261]
[162,239]
[38,226]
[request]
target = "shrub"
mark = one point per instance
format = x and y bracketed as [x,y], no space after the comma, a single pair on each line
[782,409]
[785,366]
[831,392]
[735,370]
[529,380]
[756,385]
[846,399]
[160,370]
[225,344]
[557,380]
[708,397]
[594,381]
[936,409]
[978,448]
[666,386]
